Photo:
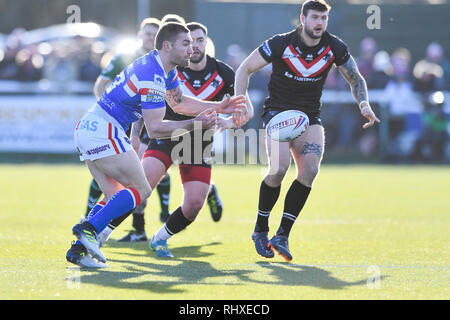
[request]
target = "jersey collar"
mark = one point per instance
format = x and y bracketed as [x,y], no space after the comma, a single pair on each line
[158,59]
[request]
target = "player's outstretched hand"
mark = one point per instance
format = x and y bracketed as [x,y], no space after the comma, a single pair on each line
[208,118]
[223,124]
[231,104]
[370,115]
[240,118]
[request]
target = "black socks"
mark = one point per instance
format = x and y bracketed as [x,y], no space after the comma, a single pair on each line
[268,196]
[295,200]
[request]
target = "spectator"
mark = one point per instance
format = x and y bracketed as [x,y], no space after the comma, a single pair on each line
[383,70]
[435,136]
[30,64]
[405,110]
[365,60]
[9,70]
[432,72]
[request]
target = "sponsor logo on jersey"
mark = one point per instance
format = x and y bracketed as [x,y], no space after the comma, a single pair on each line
[86,125]
[266,48]
[155,96]
[159,81]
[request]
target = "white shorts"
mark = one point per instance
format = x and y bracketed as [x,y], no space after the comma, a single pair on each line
[98,135]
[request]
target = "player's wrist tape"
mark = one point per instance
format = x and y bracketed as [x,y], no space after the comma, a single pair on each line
[367,105]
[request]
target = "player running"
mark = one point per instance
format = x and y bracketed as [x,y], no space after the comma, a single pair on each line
[138,91]
[205,78]
[301,60]
[147,33]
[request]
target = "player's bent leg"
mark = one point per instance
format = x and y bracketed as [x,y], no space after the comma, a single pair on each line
[195,193]
[163,189]
[307,151]
[159,161]
[125,168]
[279,160]
[269,191]
[94,194]
[137,234]
[196,181]
[156,164]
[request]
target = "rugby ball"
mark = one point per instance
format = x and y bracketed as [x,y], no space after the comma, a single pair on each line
[287,125]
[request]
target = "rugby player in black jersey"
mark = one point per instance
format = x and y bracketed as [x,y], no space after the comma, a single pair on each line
[209,79]
[301,60]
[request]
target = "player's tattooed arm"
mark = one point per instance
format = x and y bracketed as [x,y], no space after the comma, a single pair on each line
[136,127]
[192,106]
[357,83]
[359,90]
[174,97]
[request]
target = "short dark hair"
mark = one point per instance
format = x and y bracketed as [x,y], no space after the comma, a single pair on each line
[317,5]
[197,25]
[150,21]
[168,32]
[172,17]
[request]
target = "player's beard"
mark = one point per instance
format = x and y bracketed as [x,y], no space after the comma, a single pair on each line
[310,32]
[197,60]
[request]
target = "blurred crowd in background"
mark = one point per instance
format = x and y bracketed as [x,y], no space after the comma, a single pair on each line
[418,124]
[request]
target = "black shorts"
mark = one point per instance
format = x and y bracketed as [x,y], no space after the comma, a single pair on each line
[269,113]
[144,138]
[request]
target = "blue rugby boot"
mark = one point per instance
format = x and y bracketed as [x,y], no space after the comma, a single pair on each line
[87,235]
[280,244]
[262,246]
[161,248]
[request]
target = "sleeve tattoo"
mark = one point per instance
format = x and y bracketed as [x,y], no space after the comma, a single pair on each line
[357,83]
[174,97]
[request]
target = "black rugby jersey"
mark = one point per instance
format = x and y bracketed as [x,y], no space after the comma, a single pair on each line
[211,84]
[298,71]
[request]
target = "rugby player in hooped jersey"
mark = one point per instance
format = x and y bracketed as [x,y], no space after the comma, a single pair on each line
[147,32]
[205,78]
[139,91]
[301,60]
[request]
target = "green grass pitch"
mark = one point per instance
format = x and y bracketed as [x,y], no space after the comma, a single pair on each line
[367,232]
